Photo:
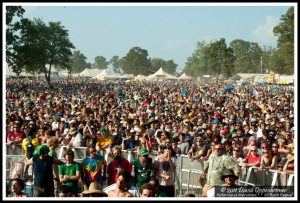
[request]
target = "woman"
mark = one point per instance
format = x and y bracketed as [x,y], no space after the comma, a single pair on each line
[198,149]
[267,160]
[69,174]
[236,156]
[17,186]
[164,169]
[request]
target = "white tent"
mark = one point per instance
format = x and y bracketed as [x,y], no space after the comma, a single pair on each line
[103,75]
[140,78]
[161,75]
[88,72]
[185,77]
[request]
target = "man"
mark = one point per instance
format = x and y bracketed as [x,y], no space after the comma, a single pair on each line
[142,168]
[156,190]
[93,168]
[215,166]
[146,190]
[121,186]
[116,165]
[44,172]
[229,178]
[252,159]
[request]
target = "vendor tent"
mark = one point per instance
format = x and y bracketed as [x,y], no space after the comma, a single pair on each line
[161,75]
[185,77]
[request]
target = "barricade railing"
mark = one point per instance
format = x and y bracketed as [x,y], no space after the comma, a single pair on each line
[257,177]
[186,175]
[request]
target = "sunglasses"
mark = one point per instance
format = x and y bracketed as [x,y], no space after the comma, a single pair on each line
[253,150]
[218,149]
[263,147]
[236,150]
[274,146]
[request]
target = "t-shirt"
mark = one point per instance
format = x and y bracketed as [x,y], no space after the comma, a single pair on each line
[103,141]
[70,171]
[112,169]
[251,159]
[92,169]
[15,136]
[142,174]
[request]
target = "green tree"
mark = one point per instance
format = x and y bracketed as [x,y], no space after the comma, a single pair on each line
[78,62]
[136,62]
[100,62]
[11,32]
[43,46]
[247,56]
[115,62]
[285,43]
[157,63]
[220,59]
[267,58]
[170,67]
[196,64]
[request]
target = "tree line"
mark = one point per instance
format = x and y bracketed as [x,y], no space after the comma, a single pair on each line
[37,47]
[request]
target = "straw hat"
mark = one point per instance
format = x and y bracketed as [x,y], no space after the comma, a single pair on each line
[93,188]
[228,172]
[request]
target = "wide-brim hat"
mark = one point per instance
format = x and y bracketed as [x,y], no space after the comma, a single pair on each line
[143,152]
[228,172]
[93,188]
[72,131]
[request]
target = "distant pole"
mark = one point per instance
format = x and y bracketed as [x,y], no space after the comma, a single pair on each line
[261,64]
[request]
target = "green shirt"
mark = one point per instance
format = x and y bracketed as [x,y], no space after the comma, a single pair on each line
[70,171]
[142,175]
[160,194]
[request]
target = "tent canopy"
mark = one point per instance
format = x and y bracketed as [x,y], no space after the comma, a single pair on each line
[185,77]
[161,75]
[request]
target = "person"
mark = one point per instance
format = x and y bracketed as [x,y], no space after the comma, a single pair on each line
[142,167]
[146,190]
[121,185]
[93,168]
[215,167]
[164,169]
[94,190]
[14,137]
[252,159]
[44,172]
[116,165]
[17,186]
[69,175]
[156,188]
[229,178]
[29,144]
[267,160]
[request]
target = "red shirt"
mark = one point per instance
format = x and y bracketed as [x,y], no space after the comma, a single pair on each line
[251,159]
[112,169]
[15,136]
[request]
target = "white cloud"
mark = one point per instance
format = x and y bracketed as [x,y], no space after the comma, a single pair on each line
[174,44]
[264,33]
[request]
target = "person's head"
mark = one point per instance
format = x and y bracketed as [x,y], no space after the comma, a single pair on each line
[117,153]
[17,185]
[123,179]
[235,151]
[92,151]
[229,177]
[228,145]
[275,147]
[155,184]
[217,148]
[263,145]
[166,149]
[146,190]
[144,156]
[266,153]
[69,155]
[254,150]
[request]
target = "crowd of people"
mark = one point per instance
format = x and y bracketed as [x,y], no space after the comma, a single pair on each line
[250,125]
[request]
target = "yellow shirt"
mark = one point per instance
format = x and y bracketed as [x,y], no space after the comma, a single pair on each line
[102,142]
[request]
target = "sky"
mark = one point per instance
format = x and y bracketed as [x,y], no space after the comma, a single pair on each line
[167,31]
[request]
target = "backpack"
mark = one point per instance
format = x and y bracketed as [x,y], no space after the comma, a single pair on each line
[29,150]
